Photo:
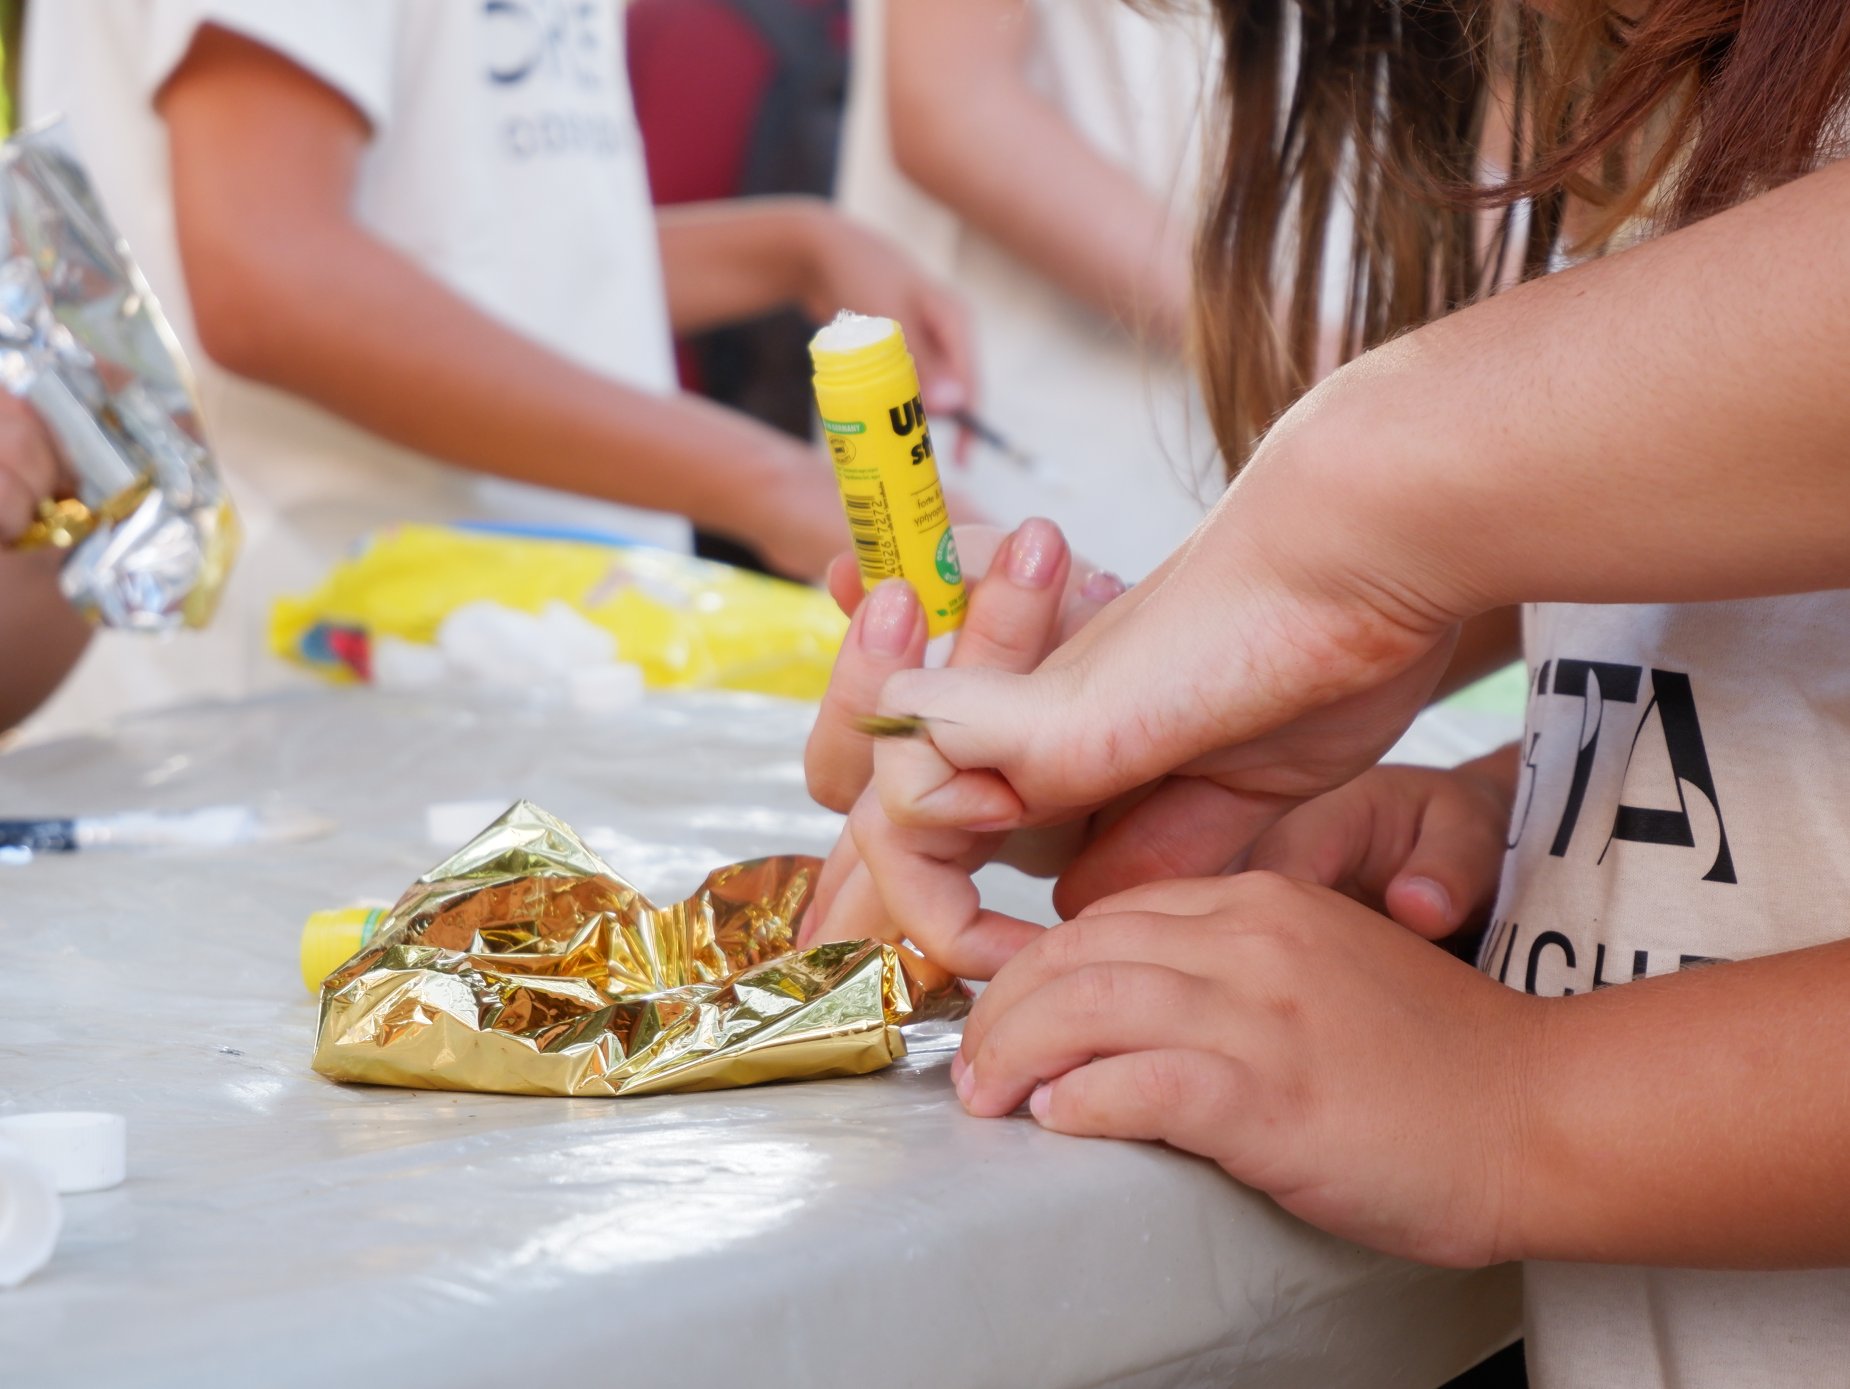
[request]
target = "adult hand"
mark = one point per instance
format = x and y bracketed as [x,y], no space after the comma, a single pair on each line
[1369,1082]
[29,468]
[1422,846]
[796,523]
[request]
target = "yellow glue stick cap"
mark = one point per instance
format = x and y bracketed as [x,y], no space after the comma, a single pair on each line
[330,939]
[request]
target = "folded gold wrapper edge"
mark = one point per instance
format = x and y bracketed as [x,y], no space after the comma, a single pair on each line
[525,965]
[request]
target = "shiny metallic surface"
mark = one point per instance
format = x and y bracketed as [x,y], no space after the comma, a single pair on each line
[524,964]
[281,1231]
[151,533]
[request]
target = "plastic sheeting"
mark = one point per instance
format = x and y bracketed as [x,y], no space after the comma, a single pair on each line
[280,1230]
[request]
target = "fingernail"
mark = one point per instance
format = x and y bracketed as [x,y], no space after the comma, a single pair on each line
[1101,586]
[958,1066]
[1034,554]
[1434,893]
[991,827]
[888,619]
[966,1086]
[1040,1103]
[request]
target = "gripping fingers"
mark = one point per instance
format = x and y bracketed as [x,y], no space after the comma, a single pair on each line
[886,636]
[1014,616]
[1147,938]
[1452,870]
[1100,1009]
[837,869]
[1189,1099]
[924,884]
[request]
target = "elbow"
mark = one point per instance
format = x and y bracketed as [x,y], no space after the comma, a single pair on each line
[232,315]
[927,127]
[918,138]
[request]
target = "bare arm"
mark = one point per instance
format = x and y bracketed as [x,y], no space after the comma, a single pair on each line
[724,262]
[969,129]
[1699,1120]
[290,290]
[1665,425]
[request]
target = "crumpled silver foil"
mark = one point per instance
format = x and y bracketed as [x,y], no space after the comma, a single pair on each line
[151,532]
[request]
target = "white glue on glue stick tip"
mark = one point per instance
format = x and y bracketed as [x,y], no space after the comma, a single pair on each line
[873,416]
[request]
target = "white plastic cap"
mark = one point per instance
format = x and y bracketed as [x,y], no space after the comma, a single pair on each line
[30,1216]
[78,1150]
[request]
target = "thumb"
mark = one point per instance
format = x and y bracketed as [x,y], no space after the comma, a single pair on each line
[1451,873]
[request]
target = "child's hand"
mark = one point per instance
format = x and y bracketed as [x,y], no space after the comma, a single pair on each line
[854,268]
[1026,597]
[1424,846]
[1366,1080]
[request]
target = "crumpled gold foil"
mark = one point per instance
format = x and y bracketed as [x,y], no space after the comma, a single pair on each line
[525,965]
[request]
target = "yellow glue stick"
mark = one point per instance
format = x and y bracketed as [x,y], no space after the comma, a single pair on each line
[867,389]
[330,939]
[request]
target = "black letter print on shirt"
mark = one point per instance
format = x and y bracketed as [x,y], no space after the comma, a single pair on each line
[1616,685]
[1675,703]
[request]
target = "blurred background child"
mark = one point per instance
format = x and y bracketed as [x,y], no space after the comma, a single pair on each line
[410,248]
[1043,155]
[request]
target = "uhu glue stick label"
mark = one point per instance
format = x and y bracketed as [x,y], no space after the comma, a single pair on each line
[868,392]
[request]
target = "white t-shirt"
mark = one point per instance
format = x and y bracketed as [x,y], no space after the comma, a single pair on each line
[505,161]
[1125,432]
[1685,798]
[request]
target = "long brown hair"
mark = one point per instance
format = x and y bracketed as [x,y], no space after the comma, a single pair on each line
[1420,114]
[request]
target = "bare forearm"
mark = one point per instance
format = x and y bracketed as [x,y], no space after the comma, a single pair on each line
[726,262]
[1698,1120]
[968,128]
[41,635]
[1665,425]
[366,333]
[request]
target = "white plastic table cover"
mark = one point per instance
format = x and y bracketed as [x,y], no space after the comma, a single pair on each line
[280,1230]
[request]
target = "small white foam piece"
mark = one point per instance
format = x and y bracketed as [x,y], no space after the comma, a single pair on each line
[493,645]
[607,689]
[851,332]
[453,824]
[78,1150]
[30,1216]
[402,665]
[503,648]
[576,639]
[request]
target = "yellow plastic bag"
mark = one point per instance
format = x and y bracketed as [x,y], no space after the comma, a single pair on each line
[688,623]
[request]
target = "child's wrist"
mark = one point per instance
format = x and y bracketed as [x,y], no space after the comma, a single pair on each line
[1370,506]
[1541,1215]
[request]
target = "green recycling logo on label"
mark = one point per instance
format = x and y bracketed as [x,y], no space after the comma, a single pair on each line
[948,568]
